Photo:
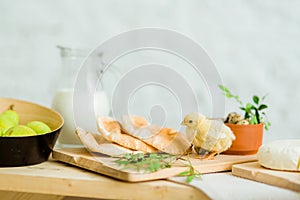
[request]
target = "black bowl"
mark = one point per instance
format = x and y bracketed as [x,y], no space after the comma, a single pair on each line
[29,150]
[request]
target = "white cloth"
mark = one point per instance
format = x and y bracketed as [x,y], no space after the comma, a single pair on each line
[223,186]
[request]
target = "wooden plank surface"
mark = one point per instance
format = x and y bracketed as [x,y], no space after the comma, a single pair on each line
[104,165]
[55,178]
[254,171]
[27,196]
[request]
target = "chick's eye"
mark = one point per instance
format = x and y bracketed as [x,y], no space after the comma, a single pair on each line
[190,121]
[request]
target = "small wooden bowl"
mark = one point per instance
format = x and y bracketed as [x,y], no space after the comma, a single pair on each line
[29,150]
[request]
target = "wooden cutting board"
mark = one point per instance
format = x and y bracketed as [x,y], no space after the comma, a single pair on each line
[254,171]
[104,165]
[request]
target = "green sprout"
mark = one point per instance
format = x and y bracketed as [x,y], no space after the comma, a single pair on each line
[153,162]
[252,111]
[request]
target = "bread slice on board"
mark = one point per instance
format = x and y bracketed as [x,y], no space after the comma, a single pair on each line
[98,144]
[164,139]
[111,131]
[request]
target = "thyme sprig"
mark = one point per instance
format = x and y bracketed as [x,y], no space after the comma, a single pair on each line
[149,162]
[152,162]
[191,173]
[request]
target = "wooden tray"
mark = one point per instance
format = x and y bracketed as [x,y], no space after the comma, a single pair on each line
[103,164]
[254,171]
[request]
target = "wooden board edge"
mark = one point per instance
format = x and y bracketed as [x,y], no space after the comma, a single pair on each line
[12,195]
[94,189]
[203,194]
[260,176]
[108,171]
[98,167]
[223,167]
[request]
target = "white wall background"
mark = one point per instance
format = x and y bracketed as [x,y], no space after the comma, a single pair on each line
[254,44]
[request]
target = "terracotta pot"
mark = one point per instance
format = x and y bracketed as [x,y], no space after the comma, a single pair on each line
[248,139]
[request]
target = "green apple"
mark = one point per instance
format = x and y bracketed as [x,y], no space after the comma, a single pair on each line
[39,127]
[19,130]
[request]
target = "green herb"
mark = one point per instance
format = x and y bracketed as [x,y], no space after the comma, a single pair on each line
[152,162]
[191,173]
[252,111]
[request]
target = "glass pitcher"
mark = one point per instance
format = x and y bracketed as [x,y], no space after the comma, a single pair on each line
[71,60]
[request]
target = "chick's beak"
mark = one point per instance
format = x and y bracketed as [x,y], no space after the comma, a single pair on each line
[182,123]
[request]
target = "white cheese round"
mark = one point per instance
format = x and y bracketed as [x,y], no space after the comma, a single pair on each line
[280,155]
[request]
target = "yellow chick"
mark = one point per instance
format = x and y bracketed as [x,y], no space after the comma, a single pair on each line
[209,137]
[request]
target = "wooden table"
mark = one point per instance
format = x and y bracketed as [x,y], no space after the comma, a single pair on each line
[55,181]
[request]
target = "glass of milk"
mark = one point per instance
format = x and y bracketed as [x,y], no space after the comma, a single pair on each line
[71,60]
